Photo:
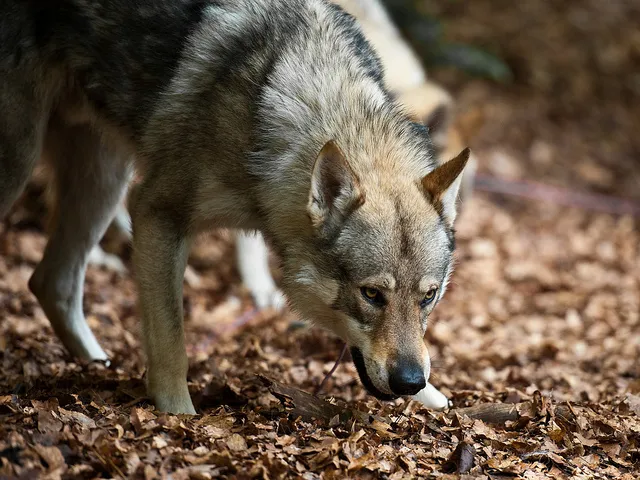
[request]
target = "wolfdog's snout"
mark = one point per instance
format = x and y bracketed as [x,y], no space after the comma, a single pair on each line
[406,376]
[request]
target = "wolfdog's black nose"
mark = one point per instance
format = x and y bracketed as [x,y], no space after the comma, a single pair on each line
[407,377]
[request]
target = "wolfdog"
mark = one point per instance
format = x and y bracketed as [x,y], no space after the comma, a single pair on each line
[260,115]
[406,79]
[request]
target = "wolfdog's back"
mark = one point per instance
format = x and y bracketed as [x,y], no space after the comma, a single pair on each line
[119,53]
[123,54]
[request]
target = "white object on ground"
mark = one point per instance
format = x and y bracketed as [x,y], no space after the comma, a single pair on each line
[432,398]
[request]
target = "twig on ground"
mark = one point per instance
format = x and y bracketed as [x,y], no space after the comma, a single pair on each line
[333,369]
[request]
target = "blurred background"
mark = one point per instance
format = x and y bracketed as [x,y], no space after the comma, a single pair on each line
[547,90]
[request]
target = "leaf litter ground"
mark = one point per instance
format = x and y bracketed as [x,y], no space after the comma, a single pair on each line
[536,343]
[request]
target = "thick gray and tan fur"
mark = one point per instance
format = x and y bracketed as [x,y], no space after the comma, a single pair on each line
[265,115]
[404,76]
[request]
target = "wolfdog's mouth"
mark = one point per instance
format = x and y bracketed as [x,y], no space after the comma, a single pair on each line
[358,360]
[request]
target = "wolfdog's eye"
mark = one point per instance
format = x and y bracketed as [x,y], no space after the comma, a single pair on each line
[428,298]
[373,296]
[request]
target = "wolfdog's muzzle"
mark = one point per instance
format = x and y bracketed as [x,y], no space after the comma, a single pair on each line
[358,360]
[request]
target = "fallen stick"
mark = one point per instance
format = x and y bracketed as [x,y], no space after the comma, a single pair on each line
[494,413]
[501,413]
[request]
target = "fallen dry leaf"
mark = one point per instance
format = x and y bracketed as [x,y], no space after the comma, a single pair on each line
[461,459]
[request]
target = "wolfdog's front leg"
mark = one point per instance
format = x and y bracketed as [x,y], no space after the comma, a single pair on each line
[160,251]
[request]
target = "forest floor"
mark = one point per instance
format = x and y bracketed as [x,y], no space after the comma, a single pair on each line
[536,342]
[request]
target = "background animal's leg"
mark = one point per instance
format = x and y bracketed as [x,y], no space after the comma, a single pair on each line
[120,234]
[253,264]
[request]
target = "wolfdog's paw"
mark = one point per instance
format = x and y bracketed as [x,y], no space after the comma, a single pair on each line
[99,258]
[174,405]
[169,394]
[432,398]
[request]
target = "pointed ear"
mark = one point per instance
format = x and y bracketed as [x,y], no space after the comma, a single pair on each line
[335,190]
[442,184]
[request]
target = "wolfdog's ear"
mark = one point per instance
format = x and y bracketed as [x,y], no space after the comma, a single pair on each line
[335,190]
[442,184]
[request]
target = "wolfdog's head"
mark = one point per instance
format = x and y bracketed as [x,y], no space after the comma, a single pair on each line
[377,262]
